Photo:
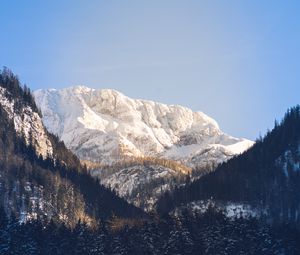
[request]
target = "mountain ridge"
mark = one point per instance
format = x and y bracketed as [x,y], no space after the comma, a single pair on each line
[130,127]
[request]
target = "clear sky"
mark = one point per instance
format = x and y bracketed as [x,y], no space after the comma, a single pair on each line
[237,61]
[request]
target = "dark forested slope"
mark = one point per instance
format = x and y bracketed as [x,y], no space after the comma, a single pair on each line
[267,175]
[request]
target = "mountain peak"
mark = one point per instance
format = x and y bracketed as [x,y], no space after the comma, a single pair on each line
[104,125]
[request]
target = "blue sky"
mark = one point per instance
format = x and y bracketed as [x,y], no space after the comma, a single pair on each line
[237,61]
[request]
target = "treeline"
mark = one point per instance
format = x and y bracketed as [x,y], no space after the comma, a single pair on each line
[106,170]
[262,176]
[208,233]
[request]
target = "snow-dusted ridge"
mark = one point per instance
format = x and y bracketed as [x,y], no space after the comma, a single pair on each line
[28,124]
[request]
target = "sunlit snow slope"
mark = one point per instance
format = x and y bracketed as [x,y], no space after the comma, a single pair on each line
[106,126]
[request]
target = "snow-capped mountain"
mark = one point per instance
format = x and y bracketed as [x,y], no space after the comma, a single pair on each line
[106,127]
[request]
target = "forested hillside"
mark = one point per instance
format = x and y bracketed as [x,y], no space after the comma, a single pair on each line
[52,184]
[266,176]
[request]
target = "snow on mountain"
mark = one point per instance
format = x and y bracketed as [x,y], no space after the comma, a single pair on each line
[27,123]
[107,127]
[230,209]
